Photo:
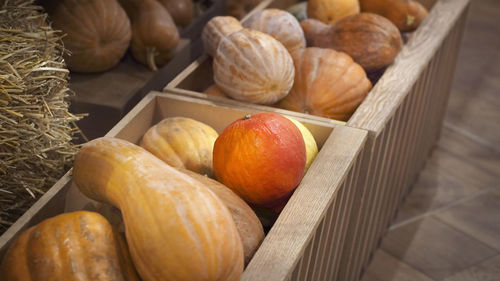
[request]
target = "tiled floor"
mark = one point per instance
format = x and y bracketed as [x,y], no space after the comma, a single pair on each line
[448,228]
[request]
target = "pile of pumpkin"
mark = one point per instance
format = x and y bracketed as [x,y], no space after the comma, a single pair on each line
[179,223]
[98,33]
[321,65]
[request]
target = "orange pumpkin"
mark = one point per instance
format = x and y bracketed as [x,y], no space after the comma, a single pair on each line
[327,83]
[330,11]
[405,14]
[252,156]
[76,246]
[176,228]
[97,32]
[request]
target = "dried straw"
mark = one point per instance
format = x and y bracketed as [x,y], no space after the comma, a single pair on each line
[36,129]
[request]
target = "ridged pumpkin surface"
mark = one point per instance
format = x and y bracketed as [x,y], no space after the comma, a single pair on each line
[252,66]
[76,246]
[279,24]
[327,83]
[247,222]
[98,32]
[217,28]
[182,142]
[176,228]
[330,11]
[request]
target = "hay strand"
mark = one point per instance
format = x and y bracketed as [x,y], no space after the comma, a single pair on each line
[36,129]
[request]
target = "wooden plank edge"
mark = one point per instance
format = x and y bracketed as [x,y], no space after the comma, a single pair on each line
[230,102]
[372,114]
[287,240]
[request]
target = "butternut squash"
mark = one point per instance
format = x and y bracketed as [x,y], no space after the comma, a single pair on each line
[175,227]
[405,14]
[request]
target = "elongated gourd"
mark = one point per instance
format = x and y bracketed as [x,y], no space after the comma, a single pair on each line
[154,34]
[182,11]
[78,246]
[405,14]
[176,228]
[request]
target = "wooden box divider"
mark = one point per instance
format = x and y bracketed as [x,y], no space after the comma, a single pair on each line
[402,114]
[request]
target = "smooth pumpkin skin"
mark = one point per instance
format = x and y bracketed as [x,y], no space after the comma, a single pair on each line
[172,222]
[371,40]
[154,34]
[405,14]
[261,157]
[327,83]
[217,28]
[281,25]
[182,11]
[182,142]
[252,66]
[73,246]
[247,222]
[213,90]
[97,32]
[309,141]
[330,11]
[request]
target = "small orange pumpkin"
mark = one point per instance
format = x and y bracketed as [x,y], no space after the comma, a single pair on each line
[405,14]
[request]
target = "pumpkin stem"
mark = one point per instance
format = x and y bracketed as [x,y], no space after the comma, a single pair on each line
[150,58]
[247,116]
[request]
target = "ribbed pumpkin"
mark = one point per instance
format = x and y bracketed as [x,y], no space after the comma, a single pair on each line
[405,14]
[330,11]
[176,228]
[182,11]
[247,222]
[371,40]
[74,246]
[215,30]
[182,142]
[254,67]
[98,32]
[327,83]
[279,24]
[154,34]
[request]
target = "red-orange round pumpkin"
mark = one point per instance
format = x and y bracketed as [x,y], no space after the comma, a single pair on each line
[261,157]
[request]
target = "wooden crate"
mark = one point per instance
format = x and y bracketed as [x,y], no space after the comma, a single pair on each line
[308,237]
[402,114]
[109,95]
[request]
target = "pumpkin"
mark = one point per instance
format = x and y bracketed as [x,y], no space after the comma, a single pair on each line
[279,24]
[330,11]
[309,141]
[371,40]
[213,90]
[254,67]
[72,246]
[182,11]
[405,14]
[217,28]
[239,8]
[182,142]
[97,33]
[327,83]
[247,222]
[176,228]
[154,34]
[261,157]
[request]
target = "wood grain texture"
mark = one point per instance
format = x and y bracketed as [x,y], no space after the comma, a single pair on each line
[488,270]
[387,268]
[435,248]
[398,79]
[285,244]
[477,217]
